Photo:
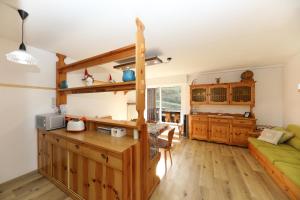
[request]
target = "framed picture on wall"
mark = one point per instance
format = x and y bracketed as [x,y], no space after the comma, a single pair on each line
[247,114]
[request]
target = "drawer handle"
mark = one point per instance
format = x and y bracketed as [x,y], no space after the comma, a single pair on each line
[77,146]
[104,157]
[57,140]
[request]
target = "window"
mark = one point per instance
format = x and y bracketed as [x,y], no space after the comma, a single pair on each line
[167,105]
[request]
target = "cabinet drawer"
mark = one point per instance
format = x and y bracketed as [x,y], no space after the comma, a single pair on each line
[243,122]
[75,147]
[45,136]
[201,119]
[103,157]
[220,120]
[58,141]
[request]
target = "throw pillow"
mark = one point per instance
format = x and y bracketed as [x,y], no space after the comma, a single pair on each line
[271,136]
[286,135]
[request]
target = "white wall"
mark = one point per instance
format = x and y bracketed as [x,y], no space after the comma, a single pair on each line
[269,93]
[18,107]
[291,95]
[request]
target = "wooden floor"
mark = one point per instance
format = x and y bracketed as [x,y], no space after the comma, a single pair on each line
[31,187]
[200,171]
[209,171]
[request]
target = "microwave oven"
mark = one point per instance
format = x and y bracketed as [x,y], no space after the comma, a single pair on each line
[50,121]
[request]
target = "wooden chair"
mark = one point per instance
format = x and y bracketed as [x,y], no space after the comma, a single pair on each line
[166,145]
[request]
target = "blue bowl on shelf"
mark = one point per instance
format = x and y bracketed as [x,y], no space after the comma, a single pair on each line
[63,84]
[128,75]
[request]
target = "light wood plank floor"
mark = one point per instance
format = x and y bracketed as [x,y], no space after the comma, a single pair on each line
[209,171]
[200,171]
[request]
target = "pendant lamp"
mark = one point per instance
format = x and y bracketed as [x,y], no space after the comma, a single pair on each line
[21,56]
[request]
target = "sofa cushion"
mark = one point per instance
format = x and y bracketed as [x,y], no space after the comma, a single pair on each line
[286,135]
[294,142]
[276,155]
[256,143]
[292,171]
[294,129]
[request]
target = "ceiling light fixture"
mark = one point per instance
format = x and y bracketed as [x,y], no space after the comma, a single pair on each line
[21,56]
[148,62]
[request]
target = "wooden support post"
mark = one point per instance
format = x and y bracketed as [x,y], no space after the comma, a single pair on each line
[140,72]
[61,98]
[140,105]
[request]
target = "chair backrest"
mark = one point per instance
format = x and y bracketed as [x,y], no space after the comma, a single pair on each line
[170,136]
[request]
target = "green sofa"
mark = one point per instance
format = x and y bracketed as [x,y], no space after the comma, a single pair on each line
[281,161]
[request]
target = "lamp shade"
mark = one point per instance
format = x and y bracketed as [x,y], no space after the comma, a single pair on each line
[21,57]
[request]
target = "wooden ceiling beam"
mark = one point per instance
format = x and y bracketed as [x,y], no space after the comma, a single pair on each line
[118,54]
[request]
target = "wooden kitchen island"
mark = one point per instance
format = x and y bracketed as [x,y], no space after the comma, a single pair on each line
[89,164]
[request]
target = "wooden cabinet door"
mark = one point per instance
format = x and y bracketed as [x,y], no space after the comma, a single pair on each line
[44,154]
[239,135]
[114,182]
[60,162]
[219,94]
[87,177]
[242,93]
[199,94]
[220,131]
[199,130]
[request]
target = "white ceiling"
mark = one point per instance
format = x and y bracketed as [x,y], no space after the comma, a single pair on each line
[200,35]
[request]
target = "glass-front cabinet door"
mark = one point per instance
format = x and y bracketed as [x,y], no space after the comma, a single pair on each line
[242,93]
[199,94]
[219,94]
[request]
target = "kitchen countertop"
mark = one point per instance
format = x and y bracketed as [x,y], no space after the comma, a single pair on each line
[97,139]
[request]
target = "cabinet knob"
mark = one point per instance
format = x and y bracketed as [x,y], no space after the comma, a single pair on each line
[104,157]
[57,139]
[77,146]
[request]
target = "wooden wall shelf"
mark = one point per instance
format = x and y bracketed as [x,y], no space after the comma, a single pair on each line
[109,87]
[118,54]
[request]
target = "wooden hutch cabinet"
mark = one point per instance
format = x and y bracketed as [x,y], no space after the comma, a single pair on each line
[199,94]
[219,94]
[227,129]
